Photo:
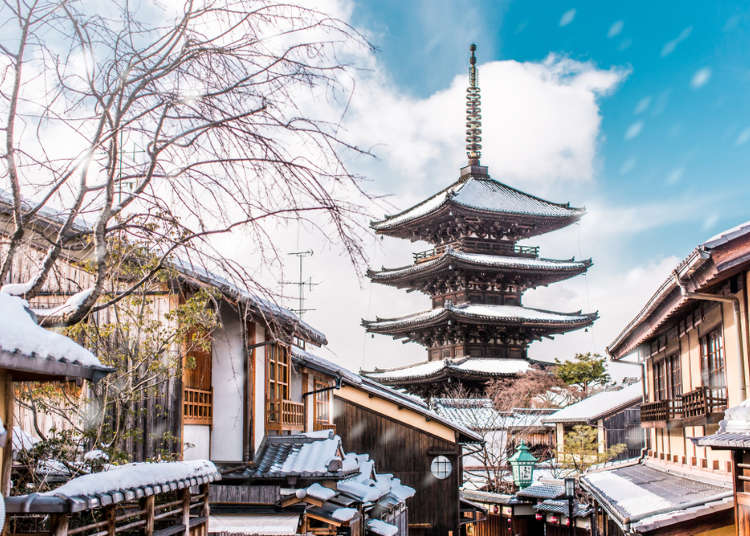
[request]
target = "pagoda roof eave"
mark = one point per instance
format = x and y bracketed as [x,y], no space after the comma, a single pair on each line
[481,196]
[565,268]
[509,315]
[466,368]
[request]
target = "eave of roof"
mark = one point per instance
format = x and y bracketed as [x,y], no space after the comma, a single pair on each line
[458,367]
[599,405]
[451,196]
[565,268]
[500,314]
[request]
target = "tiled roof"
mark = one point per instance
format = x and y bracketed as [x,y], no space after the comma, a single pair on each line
[488,366]
[506,314]
[561,508]
[312,361]
[486,497]
[599,405]
[309,455]
[542,491]
[483,194]
[641,494]
[485,261]
[480,414]
[724,440]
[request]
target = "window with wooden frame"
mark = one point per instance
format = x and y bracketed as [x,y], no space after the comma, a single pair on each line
[322,403]
[278,372]
[675,376]
[197,401]
[660,380]
[713,363]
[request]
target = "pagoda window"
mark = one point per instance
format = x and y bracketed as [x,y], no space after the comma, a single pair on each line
[713,363]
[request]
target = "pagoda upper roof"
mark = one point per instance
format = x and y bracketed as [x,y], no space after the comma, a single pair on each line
[565,268]
[480,193]
[483,314]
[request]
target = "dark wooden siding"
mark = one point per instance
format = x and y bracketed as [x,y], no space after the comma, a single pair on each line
[407,453]
[625,427]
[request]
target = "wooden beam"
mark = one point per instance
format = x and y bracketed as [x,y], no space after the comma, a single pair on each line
[7,463]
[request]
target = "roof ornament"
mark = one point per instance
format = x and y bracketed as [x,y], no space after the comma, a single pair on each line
[473,113]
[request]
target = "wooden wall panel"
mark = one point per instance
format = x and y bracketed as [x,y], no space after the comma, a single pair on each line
[407,453]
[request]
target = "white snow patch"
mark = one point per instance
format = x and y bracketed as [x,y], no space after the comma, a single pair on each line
[20,333]
[633,498]
[22,440]
[133,475]
[71,305]
[382,528]
[319,492]
[344,514]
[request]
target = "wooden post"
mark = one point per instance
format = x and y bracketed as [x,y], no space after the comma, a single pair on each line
[7,463]
[59,525]
[148,506]
[206,510]
[111,514]
[186,510]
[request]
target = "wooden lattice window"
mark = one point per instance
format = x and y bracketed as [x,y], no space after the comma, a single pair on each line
[660,380]
[713,363]
[675,376]
[322,403]
[278,372]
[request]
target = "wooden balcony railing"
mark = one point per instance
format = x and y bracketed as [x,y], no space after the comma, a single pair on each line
[702,402]
[197,406]
[477,246]
[285,415]
[323,425]
[662,410]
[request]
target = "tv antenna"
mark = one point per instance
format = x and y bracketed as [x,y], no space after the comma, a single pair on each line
[301,283]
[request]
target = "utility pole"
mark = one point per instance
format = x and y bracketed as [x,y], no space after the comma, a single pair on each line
[301,283]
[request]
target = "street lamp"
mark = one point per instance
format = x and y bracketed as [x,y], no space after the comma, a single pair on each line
[522,464]
[570,494]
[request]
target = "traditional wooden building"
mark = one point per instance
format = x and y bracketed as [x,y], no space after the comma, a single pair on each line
[475,275]
[411,441]
[691,338]
[29,352]
[615,413]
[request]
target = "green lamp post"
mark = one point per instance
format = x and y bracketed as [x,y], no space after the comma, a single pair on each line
[522,463]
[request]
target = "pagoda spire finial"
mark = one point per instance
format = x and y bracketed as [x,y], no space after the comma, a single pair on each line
[473,112]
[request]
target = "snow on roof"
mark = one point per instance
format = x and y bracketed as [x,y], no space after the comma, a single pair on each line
[484,260]
[500,313]
[22,440]
[264,306]
[599,405]
[381,528]
[415,404]
[135,475]
[323,365]
[32,347]
[639,493]
[470,365]
[474,413]
[281,524]
[319,492]
[482,194]
[729,234]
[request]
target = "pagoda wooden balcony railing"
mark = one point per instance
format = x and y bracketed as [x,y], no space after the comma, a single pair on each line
[477,246]
[323,425]
[702,402]
[285,415]
[197,406]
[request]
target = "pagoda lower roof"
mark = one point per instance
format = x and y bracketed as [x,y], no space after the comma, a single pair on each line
[466,367]
[483,194]
[484,261]
[483,314]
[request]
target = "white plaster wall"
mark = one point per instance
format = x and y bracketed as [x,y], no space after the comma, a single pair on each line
[197,442]
[228,380]
[309,405]
[260,387]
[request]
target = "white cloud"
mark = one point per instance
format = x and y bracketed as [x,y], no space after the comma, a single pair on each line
[710,221]
[615,29]
[627,166]
[743,137]
[625,44]
[669,46]
[642,105]
[701,77]
[633,130]
[675,175]
[567,17]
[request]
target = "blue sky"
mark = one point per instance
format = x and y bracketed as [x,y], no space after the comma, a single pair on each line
[637,111]
[691,138]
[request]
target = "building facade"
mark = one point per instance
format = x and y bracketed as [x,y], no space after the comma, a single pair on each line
[691,338]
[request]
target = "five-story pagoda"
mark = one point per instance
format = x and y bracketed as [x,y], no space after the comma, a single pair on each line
[476,275]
